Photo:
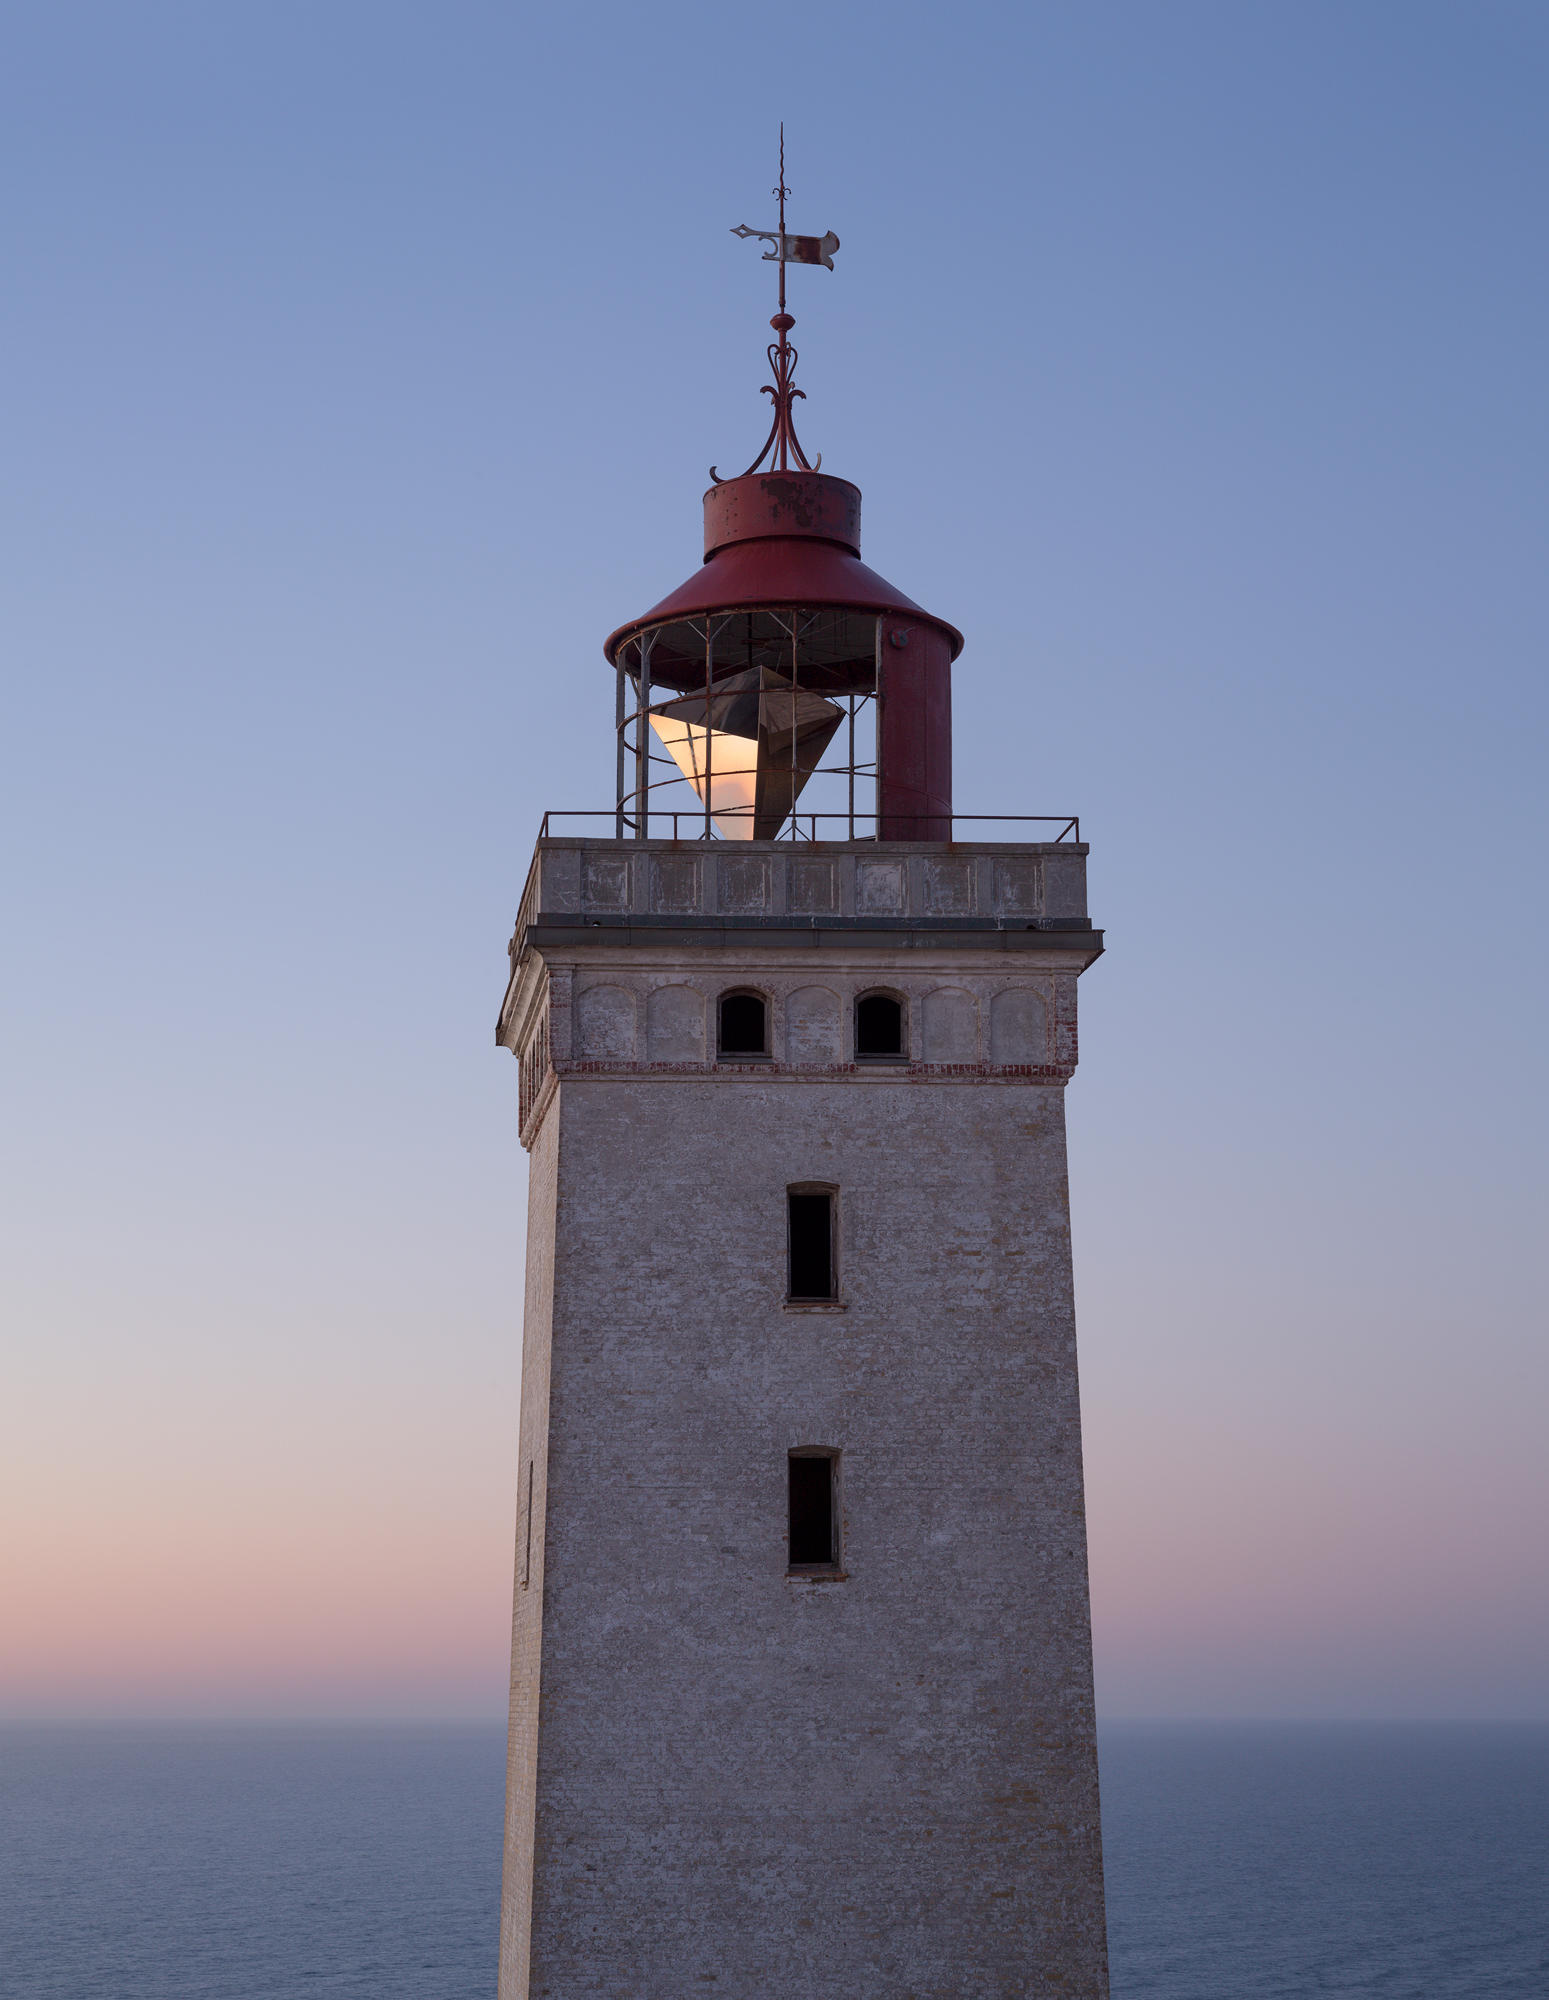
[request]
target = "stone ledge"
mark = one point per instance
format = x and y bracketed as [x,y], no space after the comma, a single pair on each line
[886,934]
[849,884]
[854,1072]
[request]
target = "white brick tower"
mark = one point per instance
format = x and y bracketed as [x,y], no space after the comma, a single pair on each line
[801,1692]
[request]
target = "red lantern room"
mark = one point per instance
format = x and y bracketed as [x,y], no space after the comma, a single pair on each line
[784,657]
[785,673]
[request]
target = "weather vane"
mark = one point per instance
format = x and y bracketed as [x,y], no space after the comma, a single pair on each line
[782,440]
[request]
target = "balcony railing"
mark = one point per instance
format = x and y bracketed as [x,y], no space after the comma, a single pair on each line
[801,826]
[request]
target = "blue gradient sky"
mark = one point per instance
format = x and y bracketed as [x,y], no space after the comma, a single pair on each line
[364,363]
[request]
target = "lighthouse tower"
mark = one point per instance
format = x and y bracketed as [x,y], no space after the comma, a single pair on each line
[801,1690]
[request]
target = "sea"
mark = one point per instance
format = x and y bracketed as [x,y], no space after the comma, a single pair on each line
[1244,1861]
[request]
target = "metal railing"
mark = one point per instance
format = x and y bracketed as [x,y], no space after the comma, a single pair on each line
[803,826]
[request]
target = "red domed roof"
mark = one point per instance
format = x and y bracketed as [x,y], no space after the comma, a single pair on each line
[778,539]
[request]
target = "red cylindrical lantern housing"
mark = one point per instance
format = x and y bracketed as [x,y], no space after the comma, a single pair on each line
[758,653]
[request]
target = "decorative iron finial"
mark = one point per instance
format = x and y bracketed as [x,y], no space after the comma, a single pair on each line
[782,440]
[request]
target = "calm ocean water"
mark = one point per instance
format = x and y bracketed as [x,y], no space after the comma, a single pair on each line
[283,1864]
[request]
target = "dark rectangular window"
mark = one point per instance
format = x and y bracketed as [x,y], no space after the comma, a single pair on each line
[811,1237]
[813,1543]
[744,1025]
[879,1025]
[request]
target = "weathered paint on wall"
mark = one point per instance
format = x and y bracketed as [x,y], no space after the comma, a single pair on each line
[527,1593]
[747,1783]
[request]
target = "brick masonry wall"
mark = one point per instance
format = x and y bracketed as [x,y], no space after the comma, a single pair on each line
[527,1592]
[748,1784]
[613,1009]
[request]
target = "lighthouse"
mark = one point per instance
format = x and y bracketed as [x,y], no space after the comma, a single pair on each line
[801,1687]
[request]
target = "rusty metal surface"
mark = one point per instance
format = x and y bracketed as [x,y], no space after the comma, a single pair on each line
[914,731]
[777,571]
[784,607]
[782,444]
[794,249]
[762,504]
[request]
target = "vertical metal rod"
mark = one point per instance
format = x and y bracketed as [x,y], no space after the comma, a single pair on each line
[618,731]
[634,749]
[643,741]
[851,761]
[709,732]
[782,191]
[795,662]
[876,761]
[783,459]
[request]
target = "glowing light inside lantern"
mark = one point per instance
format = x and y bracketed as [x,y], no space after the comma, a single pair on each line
[729,762]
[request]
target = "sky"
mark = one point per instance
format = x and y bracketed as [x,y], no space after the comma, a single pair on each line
[364,362]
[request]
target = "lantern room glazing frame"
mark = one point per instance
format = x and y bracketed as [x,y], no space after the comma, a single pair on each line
[665,672]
